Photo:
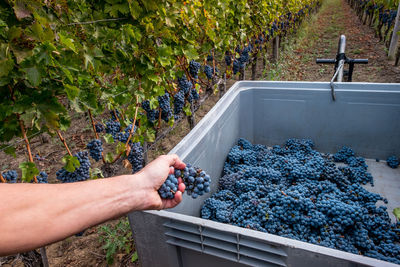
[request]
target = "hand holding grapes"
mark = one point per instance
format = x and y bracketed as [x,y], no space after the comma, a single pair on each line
[155,174]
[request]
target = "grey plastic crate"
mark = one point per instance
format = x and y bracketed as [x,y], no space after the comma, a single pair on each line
[364,116]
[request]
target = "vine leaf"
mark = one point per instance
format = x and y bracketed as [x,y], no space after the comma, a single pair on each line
[108,138]
[96,173]
[71,163]
[72,91]
[21,11]
[29,170]
[33,76]
[396,213]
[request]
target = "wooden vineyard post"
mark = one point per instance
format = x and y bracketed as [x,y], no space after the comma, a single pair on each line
[145,153]
[275,48]
[192,118]
[242,71]
[254,67]
[222,87]
[395,36]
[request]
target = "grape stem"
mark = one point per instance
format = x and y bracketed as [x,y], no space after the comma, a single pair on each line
[64,142]
[2,178]
[95,133]
[28,147]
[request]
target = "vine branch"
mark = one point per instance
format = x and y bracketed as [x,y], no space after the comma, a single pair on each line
[64,142]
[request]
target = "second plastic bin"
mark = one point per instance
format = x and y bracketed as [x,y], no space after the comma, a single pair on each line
[364,116]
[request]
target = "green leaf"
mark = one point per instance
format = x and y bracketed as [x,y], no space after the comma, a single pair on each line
[71,163]
[96,173]
[396,213]
[108,138]
[33,75]
[134,257]
[29,170]
[10,151]
[72,91]
[135,9]
[109,157]
[67,42]
[187,111]
[120,148]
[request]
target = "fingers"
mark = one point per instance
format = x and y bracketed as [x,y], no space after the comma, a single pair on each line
[171,170]
[170,203]
[175,161]
[181,187]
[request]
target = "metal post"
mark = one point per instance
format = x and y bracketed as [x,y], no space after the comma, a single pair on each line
[395,36]
[341,50]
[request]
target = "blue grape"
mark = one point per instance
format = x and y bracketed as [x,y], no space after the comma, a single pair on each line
[99,127]
[113,128]
[152,114]
[42,178]
[194,68]
[135,157]
[179,102]
[165,106]
[297,192]
[10,176]
[95,148]
[392,162]
[169,187]
[197,182]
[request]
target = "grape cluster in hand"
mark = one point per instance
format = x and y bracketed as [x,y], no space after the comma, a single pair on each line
[297,192]
[80,174]
[95,148]
[169,187]
[197,182]
[10,176]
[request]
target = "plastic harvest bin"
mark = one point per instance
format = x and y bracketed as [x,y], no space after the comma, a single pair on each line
[364,116]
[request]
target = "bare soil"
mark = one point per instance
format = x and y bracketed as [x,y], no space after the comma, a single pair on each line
[317,38]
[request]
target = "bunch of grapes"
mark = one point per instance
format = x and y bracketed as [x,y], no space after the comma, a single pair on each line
[392,162]
[210,58]
[197,182]
[80,174]
[209,71]
[184,84]
[152,114]
[179,102]
[169,187]
[165,106]
[194,68]
[124,135]
[113,128]
[10,176]
[42,178]
[135,157]
[99,127]
[236,66]
[95,148]
[228,58]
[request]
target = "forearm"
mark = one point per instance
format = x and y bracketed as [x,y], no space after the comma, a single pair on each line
[45,213]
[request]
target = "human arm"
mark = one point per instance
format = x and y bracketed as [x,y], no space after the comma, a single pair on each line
[33,215]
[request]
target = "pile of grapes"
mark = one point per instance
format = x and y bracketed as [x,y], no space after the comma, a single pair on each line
[297,192]
[197,182]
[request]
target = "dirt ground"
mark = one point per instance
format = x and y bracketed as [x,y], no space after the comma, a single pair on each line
[317,38]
